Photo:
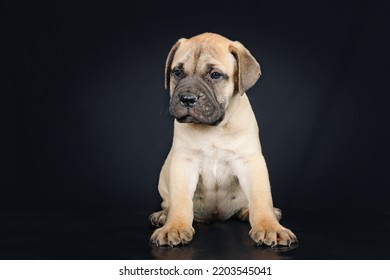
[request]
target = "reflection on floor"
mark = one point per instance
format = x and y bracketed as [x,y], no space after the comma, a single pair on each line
[119,235]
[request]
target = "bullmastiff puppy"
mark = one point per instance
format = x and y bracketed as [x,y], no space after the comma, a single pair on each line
[215,168]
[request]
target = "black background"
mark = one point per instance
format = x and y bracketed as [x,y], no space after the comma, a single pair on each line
[85,114]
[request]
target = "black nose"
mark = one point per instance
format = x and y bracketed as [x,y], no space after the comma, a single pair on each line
[188,100]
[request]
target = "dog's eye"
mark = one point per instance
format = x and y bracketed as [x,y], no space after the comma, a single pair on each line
[177,72]
[215,75]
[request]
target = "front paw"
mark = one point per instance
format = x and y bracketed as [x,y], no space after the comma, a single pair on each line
[172,235]
[272,234]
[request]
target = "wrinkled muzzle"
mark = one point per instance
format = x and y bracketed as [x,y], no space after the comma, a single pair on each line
[194,101]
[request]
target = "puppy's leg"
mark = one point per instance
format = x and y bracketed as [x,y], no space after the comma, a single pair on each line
[243,214]
[253,177]
[159,218]
[182,182]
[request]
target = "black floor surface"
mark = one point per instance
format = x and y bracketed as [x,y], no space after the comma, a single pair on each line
[322,235]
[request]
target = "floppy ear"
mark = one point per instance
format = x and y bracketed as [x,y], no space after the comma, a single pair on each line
[248,69]
[168,63]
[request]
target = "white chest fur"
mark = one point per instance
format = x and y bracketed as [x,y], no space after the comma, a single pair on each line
[218,194]
[219,154]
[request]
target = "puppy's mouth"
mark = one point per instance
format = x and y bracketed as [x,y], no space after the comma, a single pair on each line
[190,118]
[187,119]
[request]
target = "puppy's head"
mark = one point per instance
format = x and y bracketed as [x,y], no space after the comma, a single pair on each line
[203,73]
